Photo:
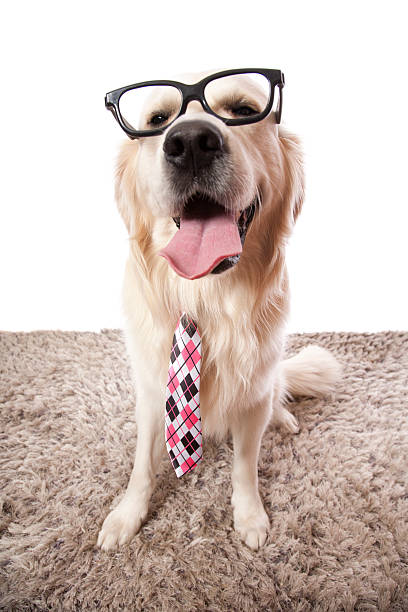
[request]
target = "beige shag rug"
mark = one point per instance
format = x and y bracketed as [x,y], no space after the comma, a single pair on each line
[336,494]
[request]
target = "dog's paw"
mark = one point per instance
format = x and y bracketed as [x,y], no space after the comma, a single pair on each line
[121,524]
[252,525]
[285,419]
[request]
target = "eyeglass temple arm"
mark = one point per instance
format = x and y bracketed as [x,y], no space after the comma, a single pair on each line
[111,107]
[278,112]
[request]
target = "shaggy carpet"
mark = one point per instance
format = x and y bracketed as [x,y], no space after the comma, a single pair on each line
[336,494]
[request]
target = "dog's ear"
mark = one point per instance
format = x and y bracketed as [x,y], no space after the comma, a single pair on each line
[132,210]
[125,188]
[293,161]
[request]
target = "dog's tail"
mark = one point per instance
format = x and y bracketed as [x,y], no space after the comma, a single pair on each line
[312,372]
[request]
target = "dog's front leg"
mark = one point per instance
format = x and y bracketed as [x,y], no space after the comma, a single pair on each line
[125,520]
[250,518]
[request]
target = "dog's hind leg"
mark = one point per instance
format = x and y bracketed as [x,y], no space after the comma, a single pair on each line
[126,519]
[280,415]
[250,518]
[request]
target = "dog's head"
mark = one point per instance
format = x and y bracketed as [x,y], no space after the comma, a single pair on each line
[202,191]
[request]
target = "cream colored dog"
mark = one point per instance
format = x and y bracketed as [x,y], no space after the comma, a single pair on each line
[241,312]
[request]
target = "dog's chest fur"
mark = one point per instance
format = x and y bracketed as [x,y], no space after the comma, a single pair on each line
[241,341]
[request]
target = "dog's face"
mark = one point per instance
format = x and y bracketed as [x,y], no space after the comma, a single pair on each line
[200,154]
[209,177]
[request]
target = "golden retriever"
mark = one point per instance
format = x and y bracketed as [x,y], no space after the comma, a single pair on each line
[241,311]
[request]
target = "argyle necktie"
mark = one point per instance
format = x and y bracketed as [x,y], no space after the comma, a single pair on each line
[182,421]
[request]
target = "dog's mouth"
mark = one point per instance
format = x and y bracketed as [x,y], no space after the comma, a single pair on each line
[210,237]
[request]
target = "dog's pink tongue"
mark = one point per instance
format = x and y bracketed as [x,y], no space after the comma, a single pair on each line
[207,235]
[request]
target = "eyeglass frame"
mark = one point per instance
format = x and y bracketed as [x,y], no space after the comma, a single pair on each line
[195,91]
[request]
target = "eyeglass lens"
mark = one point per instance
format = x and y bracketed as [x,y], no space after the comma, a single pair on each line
[150,107]
[238,95]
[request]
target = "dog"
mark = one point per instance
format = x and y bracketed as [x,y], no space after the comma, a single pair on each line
[251,173]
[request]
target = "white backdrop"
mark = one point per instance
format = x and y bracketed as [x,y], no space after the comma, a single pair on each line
[62,244]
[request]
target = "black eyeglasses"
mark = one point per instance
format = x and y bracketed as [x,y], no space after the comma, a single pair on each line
[237,97]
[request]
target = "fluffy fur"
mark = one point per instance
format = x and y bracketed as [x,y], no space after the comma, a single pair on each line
[241,315]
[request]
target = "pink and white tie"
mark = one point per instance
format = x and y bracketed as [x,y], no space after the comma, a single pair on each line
[182,421]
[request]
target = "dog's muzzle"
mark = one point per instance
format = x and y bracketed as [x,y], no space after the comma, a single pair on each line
[199,167]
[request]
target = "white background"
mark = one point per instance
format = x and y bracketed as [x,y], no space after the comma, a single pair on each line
[62,243]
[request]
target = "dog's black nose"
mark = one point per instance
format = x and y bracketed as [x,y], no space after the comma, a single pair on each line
[193,144]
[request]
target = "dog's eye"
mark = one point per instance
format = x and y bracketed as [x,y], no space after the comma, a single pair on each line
[158,119]
[243,110]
